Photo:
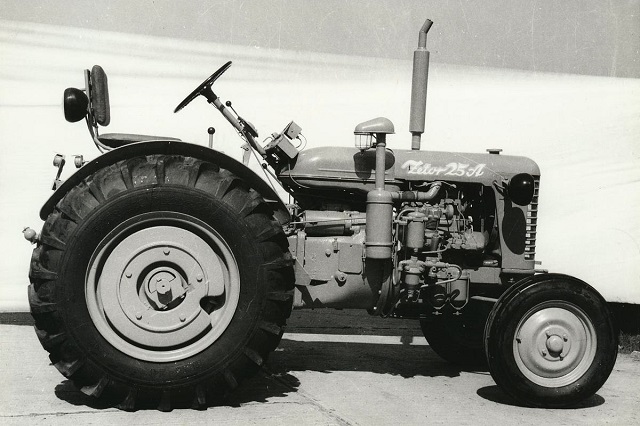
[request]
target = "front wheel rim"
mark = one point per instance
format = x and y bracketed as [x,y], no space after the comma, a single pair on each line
[162,287]
[555,344]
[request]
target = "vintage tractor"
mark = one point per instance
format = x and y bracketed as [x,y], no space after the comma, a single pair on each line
[165,271]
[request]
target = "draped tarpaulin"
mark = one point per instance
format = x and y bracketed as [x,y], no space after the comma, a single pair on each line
[584,132]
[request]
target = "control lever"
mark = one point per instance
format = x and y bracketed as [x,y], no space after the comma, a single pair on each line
[211,131]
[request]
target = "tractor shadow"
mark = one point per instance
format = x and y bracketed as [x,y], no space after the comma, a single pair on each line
[261,388]
[405,360]
[408,357]
[278,377]
[497,395]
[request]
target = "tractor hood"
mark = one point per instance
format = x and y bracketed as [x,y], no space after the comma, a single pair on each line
[346,167]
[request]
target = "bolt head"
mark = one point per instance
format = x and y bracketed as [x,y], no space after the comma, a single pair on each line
[166,252]
[139,315]
[183,318]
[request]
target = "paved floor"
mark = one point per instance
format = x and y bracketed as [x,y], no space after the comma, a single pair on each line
[384,374]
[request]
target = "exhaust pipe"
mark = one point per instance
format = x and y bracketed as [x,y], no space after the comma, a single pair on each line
[419,87]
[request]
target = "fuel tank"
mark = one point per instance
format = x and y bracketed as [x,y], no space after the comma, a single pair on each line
[350,169]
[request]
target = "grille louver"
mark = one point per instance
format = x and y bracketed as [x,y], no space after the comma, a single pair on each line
[532,223]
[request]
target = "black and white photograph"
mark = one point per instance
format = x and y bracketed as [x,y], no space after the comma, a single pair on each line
[341,212]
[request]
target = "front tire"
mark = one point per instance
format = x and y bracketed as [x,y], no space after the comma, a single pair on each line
[550,342]
[161,278]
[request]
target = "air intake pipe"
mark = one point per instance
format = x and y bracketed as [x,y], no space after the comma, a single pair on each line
[419,87]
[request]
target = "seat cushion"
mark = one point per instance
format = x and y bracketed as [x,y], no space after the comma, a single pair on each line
[116,140]
[100,95]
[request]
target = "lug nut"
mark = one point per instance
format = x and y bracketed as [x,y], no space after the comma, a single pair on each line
[183,318]
[166,252]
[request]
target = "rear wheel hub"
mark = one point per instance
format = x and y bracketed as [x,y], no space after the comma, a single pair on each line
[145,286]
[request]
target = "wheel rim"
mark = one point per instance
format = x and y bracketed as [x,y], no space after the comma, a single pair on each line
[555,344]
[162,287]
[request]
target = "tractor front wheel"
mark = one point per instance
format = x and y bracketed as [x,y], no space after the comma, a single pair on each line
[551,342]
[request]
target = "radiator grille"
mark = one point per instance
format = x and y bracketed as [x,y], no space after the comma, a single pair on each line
[532,223]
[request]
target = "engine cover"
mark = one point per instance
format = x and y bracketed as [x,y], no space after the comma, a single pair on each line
[350,169]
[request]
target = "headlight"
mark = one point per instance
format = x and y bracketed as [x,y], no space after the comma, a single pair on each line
[364,141]
[75,104]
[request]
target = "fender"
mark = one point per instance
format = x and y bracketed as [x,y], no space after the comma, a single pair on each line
[171,148]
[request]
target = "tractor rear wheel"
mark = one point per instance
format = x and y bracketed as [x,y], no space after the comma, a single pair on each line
[550,341]
[160,278]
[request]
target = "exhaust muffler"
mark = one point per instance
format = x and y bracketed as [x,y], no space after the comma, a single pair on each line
[419,87]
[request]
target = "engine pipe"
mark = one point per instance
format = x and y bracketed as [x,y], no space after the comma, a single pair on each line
[417,195]
[379,240]
[419,87]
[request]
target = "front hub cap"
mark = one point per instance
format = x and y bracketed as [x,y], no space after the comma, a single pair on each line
[555,344]
[145,286]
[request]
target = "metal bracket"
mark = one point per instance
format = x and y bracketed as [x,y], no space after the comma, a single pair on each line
[58,161]
[246,155]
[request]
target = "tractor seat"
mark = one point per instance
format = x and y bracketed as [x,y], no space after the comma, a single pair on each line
[116,140]
[99,114]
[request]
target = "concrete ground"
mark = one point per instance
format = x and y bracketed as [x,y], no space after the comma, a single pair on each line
[332,368]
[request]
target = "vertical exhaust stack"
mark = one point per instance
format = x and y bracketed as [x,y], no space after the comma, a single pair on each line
[419,87]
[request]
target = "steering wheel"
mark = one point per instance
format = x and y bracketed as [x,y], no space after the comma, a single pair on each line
[204,86]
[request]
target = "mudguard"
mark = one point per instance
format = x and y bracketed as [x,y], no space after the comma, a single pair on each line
[171,148]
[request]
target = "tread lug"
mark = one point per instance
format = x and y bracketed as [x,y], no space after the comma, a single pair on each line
[230,379]
[129,402]
[254,356]
[38,272]
[199,398]
[38,306]
[97,389]
[165,401]
[52,242]
[68,368]
[271,328]
[50,341]
[280,296]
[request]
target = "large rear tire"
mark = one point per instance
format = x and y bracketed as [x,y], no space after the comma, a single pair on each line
[160,278]
[550,341]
